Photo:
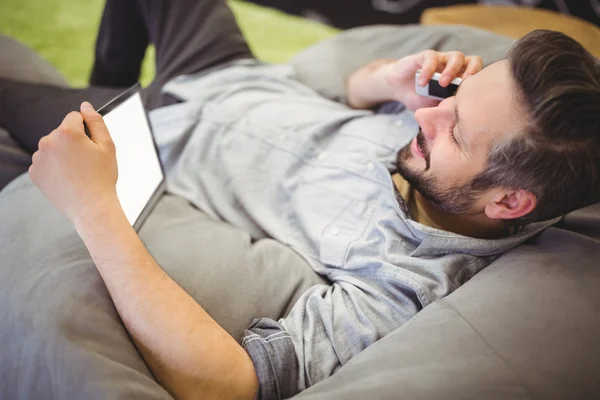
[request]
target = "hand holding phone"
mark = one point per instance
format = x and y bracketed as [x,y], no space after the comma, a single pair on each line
[423,79]
[433,89]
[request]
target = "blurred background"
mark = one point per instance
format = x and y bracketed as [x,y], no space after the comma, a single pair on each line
[346,14]
[63,31]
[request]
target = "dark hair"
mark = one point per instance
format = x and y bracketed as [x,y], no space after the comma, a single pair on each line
[557,158]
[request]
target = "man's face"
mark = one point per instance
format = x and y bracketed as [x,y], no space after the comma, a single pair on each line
[456,136]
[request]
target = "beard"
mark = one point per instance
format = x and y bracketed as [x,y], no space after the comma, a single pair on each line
[455,200]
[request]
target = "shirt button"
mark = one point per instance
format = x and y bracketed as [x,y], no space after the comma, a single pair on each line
[370,166]
[398,123]
[322,156]
[334,232]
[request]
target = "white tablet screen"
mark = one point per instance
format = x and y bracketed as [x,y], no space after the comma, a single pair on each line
[140,172]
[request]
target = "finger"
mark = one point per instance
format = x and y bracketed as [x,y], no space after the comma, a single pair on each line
[474,65]
[33,168]
[95,124]
[455,61]
[32,174]
[72,123]
[44,142]
[35,159]
[429,64]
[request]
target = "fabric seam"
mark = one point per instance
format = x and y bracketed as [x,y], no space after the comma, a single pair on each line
[487,344]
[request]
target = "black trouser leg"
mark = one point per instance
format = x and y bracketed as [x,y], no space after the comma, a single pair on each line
[29,111]
[120,45]
[189,36]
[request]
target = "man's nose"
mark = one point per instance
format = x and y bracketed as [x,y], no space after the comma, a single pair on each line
[434,121]
[425,117]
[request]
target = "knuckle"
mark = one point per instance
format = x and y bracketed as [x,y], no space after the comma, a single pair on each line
[429,56]
[60,136]
[475,59]
[43,143]
[52,136]
[72,117]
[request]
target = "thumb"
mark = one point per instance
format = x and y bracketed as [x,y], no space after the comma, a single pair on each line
[95,124]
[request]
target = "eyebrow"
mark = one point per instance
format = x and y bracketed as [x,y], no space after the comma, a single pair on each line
[459,131]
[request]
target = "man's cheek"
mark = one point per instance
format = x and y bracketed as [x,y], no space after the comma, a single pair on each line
[441,166]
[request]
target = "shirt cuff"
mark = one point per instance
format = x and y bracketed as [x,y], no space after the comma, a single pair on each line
[272,352]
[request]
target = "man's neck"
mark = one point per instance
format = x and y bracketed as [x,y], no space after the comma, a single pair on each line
[474,225]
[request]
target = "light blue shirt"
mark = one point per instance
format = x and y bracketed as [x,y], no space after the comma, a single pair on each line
[252,146]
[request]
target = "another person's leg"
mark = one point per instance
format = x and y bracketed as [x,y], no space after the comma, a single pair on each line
[189,36]
[120,45]
[29,111]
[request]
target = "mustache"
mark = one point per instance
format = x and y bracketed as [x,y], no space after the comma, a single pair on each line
[422,142]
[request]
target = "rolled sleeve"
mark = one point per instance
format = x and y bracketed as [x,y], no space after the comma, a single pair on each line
[326,328]
[272,352]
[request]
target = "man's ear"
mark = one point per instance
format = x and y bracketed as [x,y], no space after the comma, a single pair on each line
[511,204]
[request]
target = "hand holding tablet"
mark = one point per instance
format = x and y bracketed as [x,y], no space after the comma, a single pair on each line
[116,167]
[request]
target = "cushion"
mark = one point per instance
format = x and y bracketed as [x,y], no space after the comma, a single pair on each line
[23,64]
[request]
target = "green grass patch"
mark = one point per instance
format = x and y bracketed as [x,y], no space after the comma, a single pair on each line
[63,32]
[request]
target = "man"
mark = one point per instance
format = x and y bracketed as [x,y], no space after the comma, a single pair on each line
[394,221]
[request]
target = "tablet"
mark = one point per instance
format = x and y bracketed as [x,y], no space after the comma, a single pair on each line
[141,179]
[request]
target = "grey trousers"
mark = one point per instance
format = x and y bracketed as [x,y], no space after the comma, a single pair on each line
[189,36]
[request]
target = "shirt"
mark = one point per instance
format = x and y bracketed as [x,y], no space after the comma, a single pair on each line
[253,146]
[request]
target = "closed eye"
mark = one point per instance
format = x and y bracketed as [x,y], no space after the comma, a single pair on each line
[452,135]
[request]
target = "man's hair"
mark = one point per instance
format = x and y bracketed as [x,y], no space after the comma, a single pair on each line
[557,157]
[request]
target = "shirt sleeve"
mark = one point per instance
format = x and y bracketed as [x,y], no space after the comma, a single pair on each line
[325,329]
[272,352]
